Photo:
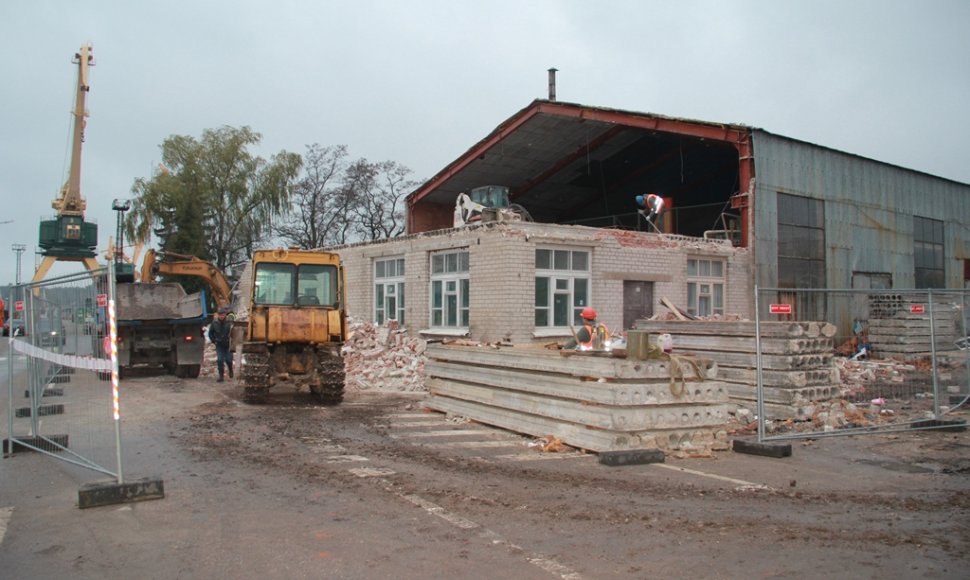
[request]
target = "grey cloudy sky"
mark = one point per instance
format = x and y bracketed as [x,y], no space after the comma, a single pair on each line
[420,81]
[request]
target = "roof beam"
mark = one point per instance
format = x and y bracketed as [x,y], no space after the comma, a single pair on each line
[718,132]
[566,160]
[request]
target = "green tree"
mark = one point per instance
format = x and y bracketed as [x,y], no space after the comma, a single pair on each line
[212,197]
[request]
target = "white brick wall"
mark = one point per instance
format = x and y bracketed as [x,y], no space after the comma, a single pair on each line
[502,273]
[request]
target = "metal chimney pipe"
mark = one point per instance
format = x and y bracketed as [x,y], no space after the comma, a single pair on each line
[552,84]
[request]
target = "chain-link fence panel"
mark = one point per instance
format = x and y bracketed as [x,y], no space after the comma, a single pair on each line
[839,362]
[61,399]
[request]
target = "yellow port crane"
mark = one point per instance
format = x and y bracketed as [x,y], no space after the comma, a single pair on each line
[68,237]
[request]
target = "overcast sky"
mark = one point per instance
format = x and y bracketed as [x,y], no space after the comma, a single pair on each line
[420,81]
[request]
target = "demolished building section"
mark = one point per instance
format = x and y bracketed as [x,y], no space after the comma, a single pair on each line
[526,282]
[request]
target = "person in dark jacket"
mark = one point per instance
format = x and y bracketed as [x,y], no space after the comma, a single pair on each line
[219,332]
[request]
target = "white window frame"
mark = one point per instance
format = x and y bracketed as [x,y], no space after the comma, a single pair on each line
[449,272]
[567,272]
[705,286]
[388,287]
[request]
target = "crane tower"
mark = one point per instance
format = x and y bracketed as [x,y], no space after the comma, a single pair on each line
[68,237]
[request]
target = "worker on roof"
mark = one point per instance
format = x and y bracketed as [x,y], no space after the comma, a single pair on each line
[219,334]
[652,202]
[590,333]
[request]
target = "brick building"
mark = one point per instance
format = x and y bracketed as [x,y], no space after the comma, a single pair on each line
[745,207]
[527,281]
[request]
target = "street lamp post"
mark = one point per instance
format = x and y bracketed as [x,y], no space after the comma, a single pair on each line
[19,248]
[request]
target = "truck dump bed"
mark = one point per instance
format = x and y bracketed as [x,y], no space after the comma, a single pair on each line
[158,302]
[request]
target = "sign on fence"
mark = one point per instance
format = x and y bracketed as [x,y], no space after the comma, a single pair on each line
[780,309]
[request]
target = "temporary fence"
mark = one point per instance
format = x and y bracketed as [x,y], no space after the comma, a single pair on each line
[62,394]
[859,361]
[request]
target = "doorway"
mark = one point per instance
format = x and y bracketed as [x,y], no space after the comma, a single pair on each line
[637,302]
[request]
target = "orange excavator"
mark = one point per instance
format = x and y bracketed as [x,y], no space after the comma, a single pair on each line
[156,264]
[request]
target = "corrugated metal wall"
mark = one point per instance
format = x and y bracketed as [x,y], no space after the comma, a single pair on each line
[869,209]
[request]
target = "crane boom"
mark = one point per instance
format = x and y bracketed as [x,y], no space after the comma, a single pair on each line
[68,237]
[70,201]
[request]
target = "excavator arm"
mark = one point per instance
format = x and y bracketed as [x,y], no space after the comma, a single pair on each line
[156,264]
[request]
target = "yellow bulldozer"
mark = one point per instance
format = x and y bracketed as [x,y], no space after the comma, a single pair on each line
[294,311]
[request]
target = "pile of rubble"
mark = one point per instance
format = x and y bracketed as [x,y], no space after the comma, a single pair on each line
[857,375]
[383,358]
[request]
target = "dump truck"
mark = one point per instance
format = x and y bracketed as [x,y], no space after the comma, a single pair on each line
[159,325]
[293,310]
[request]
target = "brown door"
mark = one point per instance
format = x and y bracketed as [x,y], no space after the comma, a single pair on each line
[637,302]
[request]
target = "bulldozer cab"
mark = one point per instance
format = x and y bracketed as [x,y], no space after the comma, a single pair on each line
[493,196]
[296,284]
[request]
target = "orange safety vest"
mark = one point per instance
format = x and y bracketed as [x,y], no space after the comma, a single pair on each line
[591,330]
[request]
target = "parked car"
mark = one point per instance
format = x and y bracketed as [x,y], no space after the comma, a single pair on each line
[16,324]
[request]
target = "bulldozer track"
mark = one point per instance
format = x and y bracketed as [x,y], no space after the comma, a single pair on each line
[329,388]
[255,373]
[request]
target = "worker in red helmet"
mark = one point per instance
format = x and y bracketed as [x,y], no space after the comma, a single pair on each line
[655,204]
[586,335]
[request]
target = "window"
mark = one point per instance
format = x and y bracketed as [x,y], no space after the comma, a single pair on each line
[562,287]
[449,290]
[705,287]
[928,253]
[389,290]
[801,242]
[311,284]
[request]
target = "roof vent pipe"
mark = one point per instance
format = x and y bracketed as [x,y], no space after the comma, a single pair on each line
[552,84]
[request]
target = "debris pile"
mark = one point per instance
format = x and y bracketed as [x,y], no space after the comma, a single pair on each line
[383,358]
[856,376]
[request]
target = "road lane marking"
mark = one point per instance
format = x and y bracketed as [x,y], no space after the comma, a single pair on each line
[5,515]
[442,433]
[543,562]
[739,482]
[372,471]
[346,458]
[470,444]
[537,456]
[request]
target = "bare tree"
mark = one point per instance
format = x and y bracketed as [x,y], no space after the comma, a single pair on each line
[380,189]
[320,204]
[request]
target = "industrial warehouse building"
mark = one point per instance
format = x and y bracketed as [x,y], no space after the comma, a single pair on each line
[745,207]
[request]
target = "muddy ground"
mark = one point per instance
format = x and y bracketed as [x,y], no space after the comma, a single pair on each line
[865,506]
[379,487]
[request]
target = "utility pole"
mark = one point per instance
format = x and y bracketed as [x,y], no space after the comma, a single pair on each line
[19,248]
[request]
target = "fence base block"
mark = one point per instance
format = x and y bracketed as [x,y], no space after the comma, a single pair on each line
[631,457]
[111,492]
[776,450]
[47,393]
[957,400]
[48,443]
[950,425]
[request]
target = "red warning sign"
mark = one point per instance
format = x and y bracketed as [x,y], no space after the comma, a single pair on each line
[18,305]
[917,309]
[102,299]
[780,309]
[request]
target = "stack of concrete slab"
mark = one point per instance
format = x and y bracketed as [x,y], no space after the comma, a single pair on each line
[900,325]
[591,401]
[796,358]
